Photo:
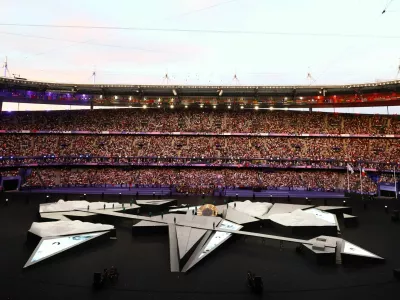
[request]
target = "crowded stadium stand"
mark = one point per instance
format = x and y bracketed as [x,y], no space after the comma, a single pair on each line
[199,143]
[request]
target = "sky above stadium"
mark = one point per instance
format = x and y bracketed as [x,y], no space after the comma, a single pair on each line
[202,42]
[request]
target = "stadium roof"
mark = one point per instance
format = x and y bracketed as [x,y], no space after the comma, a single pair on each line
[366,94]
[23,83]
[369,93]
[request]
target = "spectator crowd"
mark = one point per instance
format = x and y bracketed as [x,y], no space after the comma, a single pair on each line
[389,178]
[61,148]
[140,120]
[198,180]
[318,151]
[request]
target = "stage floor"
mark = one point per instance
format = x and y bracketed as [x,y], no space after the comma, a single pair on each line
[143,263]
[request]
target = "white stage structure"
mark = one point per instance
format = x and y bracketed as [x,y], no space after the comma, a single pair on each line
[191,237]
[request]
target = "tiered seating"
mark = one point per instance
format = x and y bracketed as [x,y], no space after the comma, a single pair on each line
[199,121]
[307,140]
[197,180]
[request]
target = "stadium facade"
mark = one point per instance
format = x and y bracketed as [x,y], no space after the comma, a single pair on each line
[214,135]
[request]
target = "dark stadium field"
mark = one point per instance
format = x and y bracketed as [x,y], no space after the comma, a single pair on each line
[143,263]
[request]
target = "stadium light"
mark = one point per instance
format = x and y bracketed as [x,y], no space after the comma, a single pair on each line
[256,107]
[271,108]
[229,107]
[201,105]
[174,92]
[214,106]
[158,105]
[172,106]
[241,106]
[144,106]
[301,98]
[186,106]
